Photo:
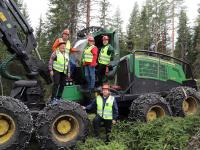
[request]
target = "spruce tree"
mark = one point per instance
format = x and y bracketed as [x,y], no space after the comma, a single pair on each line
[183,45]
[62,14]
[196,46]
[143,30]
[133,27]
[104,18]
[41,39]
[117,25]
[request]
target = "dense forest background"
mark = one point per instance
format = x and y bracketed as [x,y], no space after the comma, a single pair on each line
[149,25]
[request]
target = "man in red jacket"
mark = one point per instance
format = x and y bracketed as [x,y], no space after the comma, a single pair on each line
[89,60]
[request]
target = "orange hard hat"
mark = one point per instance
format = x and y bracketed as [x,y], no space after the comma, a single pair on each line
[61,42]
[90,38]
[66,31]
[106,86]
[105,37]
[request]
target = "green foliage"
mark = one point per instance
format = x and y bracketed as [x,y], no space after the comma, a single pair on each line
[184,42]
[133,26]
[104,18]
[97,144]
[117,25]
[41,38]
[162,134]
[60,16]
[144,34]
[90,144]
[150,24]
[167,133]
[196,46]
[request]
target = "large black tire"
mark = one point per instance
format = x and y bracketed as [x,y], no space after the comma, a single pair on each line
[61,125]
[146,105]
[177,98]
[16,124]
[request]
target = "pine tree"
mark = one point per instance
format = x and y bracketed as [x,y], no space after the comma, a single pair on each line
[25,13]
[157,14]
[196,46]
[41,39]
[143,30]
[62,14]
[74,15]
[19,4]
[117,25]
[173,13]
[57,19]
[133,27]
[148,26]
[183,45]
[23,9]
[104,13]
[88,13]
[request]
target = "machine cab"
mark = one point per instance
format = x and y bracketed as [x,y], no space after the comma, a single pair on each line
[81,43]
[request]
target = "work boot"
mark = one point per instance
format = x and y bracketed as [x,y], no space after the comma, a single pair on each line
[107,140]
[96,135]
[54,101]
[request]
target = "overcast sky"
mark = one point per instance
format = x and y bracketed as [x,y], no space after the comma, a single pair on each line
[36,8]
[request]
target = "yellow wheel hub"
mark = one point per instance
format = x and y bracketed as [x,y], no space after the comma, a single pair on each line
[4,126]
[154,113]
[7,128]
[151,115]
[190,106]
[65,128]
[185,106]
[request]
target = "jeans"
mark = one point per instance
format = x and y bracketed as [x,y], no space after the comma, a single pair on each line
[72,65]
[90,76]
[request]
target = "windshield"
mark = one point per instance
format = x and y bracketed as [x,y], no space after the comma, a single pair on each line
[77,56]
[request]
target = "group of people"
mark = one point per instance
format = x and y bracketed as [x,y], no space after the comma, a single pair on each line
[59,66]
[92,58]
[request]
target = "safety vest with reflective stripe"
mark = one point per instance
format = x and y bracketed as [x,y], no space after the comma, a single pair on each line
[104,58]
[87,54]
[107,111]
[67,46]
[61,62]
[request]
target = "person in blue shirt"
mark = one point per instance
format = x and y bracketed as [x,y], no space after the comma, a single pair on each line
[106,111]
